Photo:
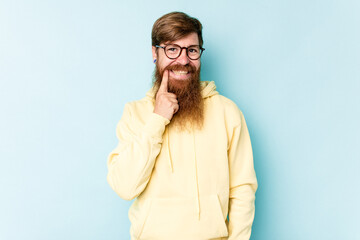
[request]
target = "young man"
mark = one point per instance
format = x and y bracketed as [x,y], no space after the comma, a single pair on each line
[184,151]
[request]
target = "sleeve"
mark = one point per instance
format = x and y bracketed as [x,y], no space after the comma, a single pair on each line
[243,183]
[131,163]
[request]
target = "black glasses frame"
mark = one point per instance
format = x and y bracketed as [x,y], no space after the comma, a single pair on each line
[181,48]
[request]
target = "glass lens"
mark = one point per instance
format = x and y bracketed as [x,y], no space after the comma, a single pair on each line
[194,52]
[172,51]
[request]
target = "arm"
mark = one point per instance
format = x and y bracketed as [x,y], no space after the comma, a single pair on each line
[243,184]
[131,163]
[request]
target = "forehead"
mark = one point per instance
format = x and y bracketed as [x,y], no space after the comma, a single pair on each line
[188,40]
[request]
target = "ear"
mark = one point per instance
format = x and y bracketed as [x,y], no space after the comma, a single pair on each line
[154,54]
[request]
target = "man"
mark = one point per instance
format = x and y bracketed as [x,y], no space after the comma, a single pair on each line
[184,151]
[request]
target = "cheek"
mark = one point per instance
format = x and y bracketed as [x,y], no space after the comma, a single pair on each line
[164,63]
[197,65]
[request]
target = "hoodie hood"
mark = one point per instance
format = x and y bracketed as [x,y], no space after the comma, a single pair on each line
[208,89]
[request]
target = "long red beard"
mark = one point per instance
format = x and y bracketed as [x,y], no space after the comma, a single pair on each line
[191,106]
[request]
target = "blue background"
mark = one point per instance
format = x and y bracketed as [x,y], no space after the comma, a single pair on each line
[68,67]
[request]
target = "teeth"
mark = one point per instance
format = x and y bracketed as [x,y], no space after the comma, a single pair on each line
[180,72]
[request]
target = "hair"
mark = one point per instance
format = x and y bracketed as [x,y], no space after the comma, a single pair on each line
[174,26]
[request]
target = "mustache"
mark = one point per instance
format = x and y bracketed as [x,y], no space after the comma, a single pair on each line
[179,67]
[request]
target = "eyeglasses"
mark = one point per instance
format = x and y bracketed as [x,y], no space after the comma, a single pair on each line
[173,51]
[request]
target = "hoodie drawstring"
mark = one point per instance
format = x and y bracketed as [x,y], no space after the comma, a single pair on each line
[197,195]
[168,150]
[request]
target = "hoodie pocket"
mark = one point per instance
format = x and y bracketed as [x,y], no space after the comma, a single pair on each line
[177,218]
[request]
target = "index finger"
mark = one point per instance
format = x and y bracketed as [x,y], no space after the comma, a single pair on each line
[164,82]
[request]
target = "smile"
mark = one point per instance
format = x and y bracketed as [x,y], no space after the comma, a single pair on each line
[180,72]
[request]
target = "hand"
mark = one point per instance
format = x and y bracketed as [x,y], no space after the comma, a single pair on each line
[166,103]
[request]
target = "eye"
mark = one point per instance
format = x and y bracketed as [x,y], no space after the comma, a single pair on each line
[172,49]
[193,50]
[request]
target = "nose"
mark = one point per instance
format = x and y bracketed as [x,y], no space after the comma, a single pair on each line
[183,58]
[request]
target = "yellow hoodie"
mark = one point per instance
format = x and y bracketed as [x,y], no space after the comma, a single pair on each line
[185,183]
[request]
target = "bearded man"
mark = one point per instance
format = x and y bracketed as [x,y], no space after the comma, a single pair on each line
[184,151]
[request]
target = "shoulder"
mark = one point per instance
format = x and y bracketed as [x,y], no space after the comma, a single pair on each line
[136,113]
[230,109]
[142,105]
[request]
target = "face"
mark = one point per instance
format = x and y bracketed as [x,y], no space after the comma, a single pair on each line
[184,82]
[180,68]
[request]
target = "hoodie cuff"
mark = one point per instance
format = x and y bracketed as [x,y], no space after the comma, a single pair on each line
[155,126]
